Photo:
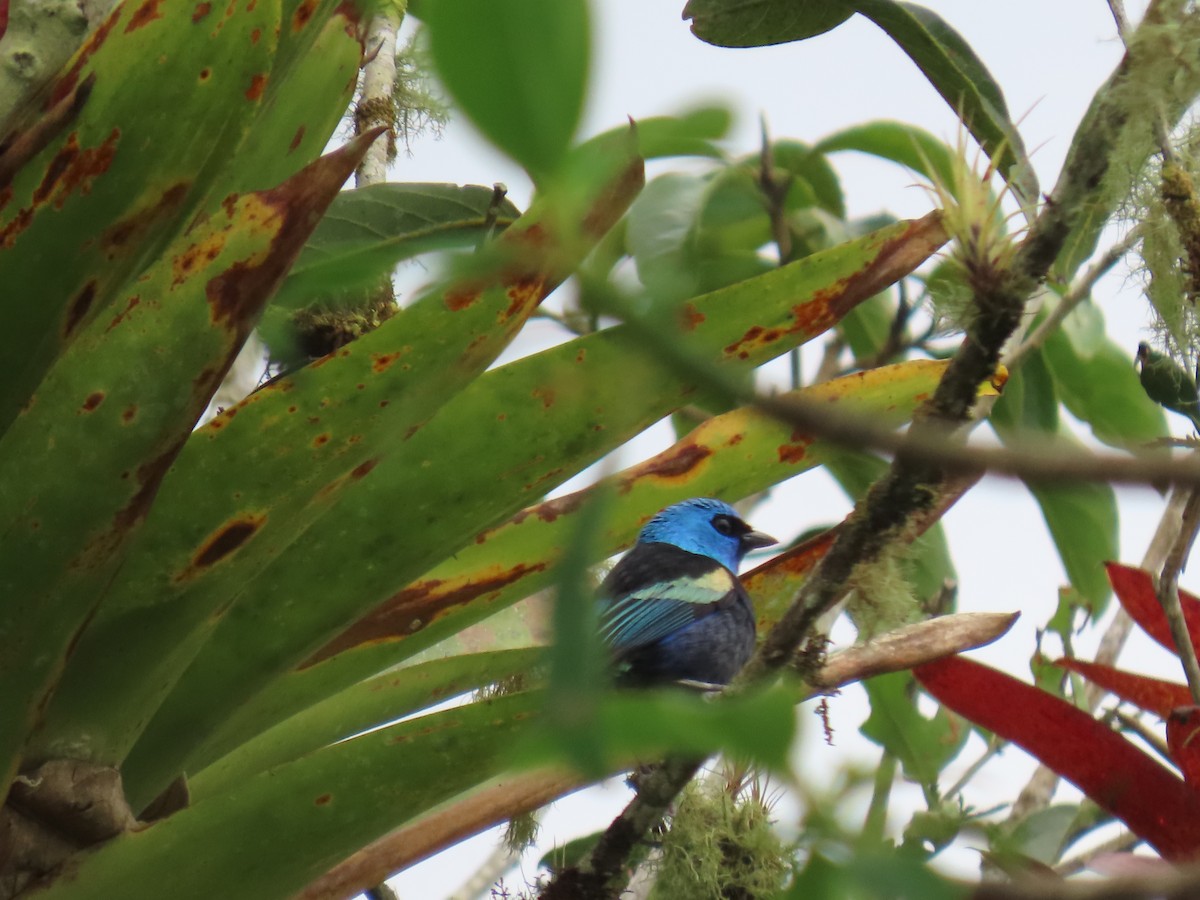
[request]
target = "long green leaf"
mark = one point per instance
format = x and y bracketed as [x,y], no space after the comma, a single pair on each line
[285,454]
[574,402]
[963,81]
[316,810]
[730,455]
[106,197]
[111,412]
[756,23]
[367,705]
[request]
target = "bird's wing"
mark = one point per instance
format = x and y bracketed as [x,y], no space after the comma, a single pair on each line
[657,589]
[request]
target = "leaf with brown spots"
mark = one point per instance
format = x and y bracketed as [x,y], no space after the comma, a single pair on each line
[290,468]
[117,161]
[136,361]
[604,395]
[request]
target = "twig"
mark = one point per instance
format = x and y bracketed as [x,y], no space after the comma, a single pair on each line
[1168,592]
[1122,843]
[1168,884]
[1040,788]
[1079,292]
[1151,740]
[431,833]
[775,191]
[500,860]
[376,104]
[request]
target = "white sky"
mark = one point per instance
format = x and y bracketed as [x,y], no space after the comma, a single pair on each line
[1049,58]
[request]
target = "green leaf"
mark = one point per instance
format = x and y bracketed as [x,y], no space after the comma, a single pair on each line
[574,402]
[895,876]
[1040,835]
[106,197]
[756,23]
[688,134]
[358,709]
[367,231]
[1082,518]
[1097,382]
[910,146]
[284,455]
[810,165]
[652,723]
[533,57]
[112,412]
[963,81]
[922,745]
[659,224]
[316,810]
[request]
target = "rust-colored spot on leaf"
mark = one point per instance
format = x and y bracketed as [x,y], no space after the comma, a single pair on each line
[546,395]
[303,13]
[129,413]
[794,452]
[185,265]
[95,41]
[226,540]
[94,399]
[321,439]
[410,610]
[690,317]
[383,404]
[323,799]
[462,298]
[258,84]
[296,139]
[361,470]
[205,73]
[73,169]
[201,10]
[547,511]
[78,307]
[144,15]
[138,224]
[380,362]
[677,463]
[256,35]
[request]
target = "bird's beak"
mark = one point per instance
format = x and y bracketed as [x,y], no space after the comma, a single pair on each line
[754,539]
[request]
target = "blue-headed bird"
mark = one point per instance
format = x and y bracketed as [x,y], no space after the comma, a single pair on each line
[673,609]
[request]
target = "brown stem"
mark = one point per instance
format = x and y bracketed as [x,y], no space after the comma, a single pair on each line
[1168,592]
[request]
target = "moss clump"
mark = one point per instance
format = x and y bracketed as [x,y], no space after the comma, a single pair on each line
[720,847]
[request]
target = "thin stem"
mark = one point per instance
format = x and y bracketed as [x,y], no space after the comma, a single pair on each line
[1168,592]
[875,824]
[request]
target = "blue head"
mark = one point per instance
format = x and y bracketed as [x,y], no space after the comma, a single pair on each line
[706,527]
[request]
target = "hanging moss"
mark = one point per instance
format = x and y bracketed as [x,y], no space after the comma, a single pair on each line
[720,847]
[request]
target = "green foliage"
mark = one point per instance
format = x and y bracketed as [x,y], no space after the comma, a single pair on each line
[517,70]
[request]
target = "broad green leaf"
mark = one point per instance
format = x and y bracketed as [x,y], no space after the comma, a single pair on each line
[656,234]
[1041,835]
[910,146]
[284,454]
[360,708]
[731,455]
[111,412]
[1082,518]
[367,231]
[1097,382]
[688,134]
[810,165]
[575,402]
[866,330]
[534,55]
[963,81]
[106,197]
[922,745]
[316,811]
[650,724]
[756,23]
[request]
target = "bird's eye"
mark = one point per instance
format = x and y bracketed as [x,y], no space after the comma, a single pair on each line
[723,525]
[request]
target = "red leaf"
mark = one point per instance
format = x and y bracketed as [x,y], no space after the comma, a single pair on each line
[1151,694]
[1135,589]
[1183,740]
[1155,804]
[3,17]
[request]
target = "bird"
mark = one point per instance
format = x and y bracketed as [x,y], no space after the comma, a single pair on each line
[672,609]
[1167,383]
